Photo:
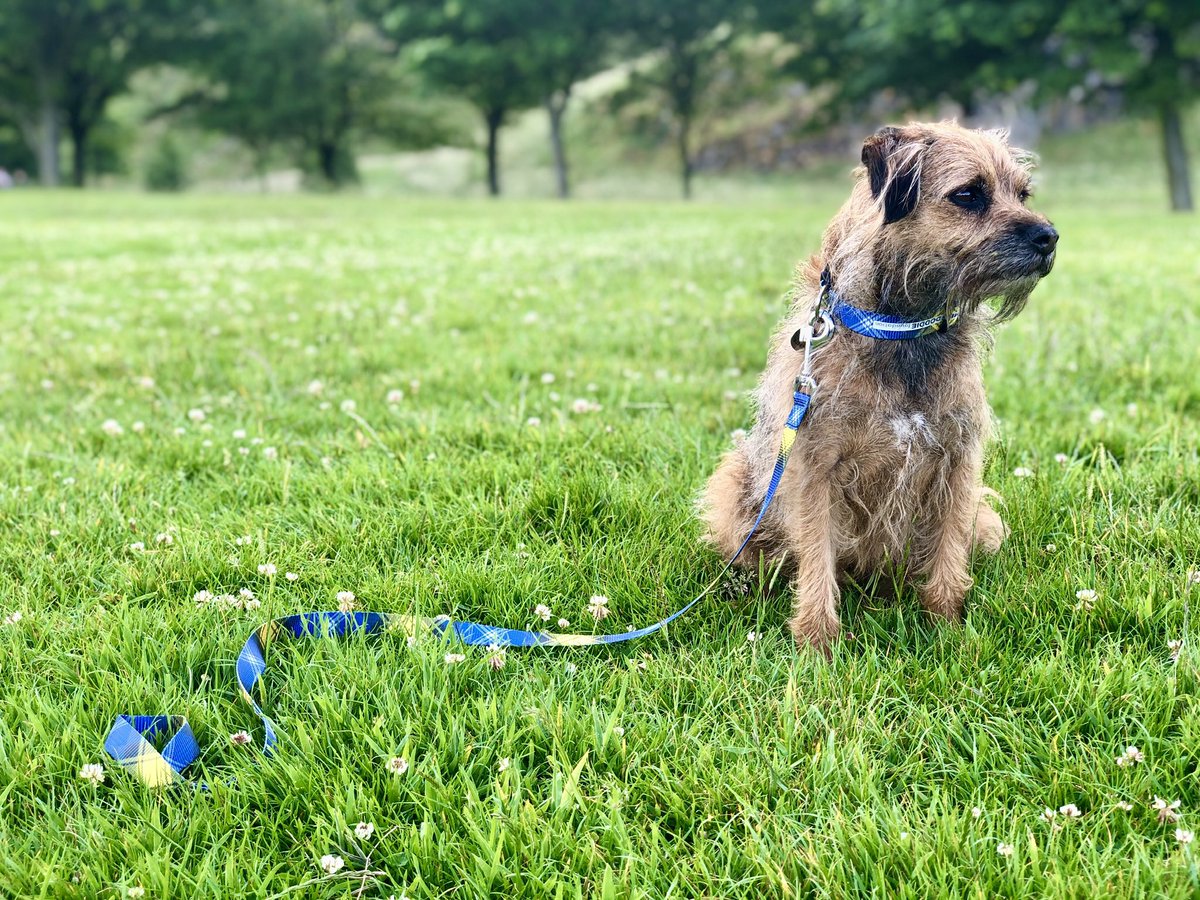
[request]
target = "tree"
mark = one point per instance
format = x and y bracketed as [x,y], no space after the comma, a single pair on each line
[688,43]
[480,50]
[1151,50]
[64,60]
[313,75]
[568,41]
[927,50]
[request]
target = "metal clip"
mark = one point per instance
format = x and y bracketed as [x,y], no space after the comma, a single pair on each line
[816,333]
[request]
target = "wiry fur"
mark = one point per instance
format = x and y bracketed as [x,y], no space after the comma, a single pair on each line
[885,469]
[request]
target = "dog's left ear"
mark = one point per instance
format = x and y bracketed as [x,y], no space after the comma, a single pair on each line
[893,161]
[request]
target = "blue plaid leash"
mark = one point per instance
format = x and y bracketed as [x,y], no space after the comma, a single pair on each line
[129,741]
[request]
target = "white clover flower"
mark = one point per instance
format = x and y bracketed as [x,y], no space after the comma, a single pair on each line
[1126,806]
[1167,812]
[267,569]
[1070,810]
[240,738]
[315,387]
[93,772]
[364,830]
[503,765]
[348,405]
[137,546]
[164,538]
[542,611]
[246,594]
[270,453]
[112,428]
[397,765]
[1096,416]
[497,659]
[533,422]
[1184,837]
[547,378]
[138,427]
[345,601]
[1005,850]
[332,864]
[1022,472]
[395,395]
[146,382]
[1131,756]
[239,434]
[1061,458]
[14,617]
[976,812]
[1048,814]
[582,405]
[202,597]
[564,623]
[753,637]
[598,607]
[196,415]
[291,576]
[619,731]
[135,892]
[452,658]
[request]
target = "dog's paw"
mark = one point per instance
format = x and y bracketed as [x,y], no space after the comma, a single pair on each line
[818,635]
[990,530]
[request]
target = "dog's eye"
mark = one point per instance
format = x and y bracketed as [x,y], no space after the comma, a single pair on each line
[971,198]
[1025,194]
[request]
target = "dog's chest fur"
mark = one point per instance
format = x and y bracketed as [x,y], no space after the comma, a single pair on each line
[883,434]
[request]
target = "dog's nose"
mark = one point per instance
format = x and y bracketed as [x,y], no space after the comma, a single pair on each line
[1043,237]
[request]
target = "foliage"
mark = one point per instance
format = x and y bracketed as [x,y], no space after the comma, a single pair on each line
[166,169]
[315,75]
[478,49]
[689,47]
[62,62]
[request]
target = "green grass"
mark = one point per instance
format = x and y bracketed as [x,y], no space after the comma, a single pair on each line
[720,768]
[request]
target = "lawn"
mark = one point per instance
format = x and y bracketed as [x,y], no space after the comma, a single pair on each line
[473,409]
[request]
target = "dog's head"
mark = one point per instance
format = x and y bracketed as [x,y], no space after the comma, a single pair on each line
[947,209]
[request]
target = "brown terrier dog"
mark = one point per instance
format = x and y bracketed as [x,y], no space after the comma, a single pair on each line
[886,469]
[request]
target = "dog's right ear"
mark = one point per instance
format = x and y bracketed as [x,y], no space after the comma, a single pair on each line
[896,175]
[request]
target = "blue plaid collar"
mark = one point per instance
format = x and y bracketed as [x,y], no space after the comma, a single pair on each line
[889,328]
[879,325]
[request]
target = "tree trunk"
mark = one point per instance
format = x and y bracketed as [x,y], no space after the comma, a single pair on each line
[556,108]
[327,161]
[79,135]
[494,118]
[685,156]
[47,144]
[1175,152]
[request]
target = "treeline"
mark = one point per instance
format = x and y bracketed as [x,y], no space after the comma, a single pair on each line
[311,79]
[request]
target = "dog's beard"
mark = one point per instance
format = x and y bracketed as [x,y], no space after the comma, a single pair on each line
[1004,281]
[924,286]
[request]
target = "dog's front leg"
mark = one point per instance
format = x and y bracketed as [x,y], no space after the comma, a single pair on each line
[815,613]
[946,560]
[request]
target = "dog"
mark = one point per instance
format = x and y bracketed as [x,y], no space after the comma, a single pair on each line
[885,471]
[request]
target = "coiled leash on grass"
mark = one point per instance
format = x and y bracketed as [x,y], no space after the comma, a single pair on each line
[128,741]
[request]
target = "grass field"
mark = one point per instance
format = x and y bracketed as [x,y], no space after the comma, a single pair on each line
[242,352]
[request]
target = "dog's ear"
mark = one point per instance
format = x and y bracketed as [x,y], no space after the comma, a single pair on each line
[893,163]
